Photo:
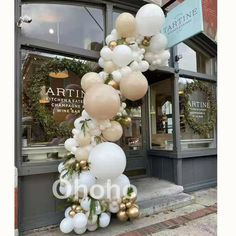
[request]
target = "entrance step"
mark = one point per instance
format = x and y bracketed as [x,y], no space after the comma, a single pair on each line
[155,195]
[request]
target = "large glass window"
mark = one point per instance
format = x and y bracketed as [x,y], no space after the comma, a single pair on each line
[194,60]
[161,115]
[52,99]
[77,26]
[197,114]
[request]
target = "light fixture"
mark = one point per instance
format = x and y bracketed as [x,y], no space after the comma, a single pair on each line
[181,92]
[51,31]
[152,112]
[59,75]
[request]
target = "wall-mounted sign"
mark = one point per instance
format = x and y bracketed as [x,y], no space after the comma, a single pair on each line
[183,22]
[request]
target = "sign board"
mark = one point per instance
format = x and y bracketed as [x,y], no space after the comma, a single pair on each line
[183,22]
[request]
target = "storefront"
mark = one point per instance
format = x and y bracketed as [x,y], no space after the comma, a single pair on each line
[159,141]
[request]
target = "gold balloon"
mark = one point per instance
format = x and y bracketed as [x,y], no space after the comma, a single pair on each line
[127,121]
[72,213]
[133,197]
[78,209]
[90,79]
[102,102]
[112,45]
[128,204]
[83,163]
[134,86]
[114,84]
[122,207]
[124,200]
[85,168]
[109,67]
[126,25]
[122,216]
[133,212]
[114,132]
[77,166]
[73,207]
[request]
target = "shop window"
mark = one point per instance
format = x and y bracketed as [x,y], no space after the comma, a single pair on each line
[197,114]
[161,115]
[194,60]
[52,99]
[65,24]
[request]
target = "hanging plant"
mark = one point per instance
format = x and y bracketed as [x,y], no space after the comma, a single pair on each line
[202,128]
[40,78]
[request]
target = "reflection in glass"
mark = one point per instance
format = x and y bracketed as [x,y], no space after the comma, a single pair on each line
[199,104]
[161,115]
[77,26]
[194,60]
[62,97]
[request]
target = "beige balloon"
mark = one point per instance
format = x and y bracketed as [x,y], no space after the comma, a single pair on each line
[90,79]
[81,154]
[83,139]
[126,25]
[114,132]
[109,67]
[102,102]
[134,86]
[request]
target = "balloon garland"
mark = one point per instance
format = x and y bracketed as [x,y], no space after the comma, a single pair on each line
[133,47]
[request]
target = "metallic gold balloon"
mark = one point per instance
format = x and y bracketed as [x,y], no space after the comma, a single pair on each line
[122,216]
[73,207]
[128,204]
[83,163]
[133,212]
[127,121]
[114,84]
[122,207]
[112,45]
[72,213]
[85,168]
[124,200]
[133,197]
[78,209]
[77,166]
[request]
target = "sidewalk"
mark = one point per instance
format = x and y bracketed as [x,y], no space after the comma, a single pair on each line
[197,219]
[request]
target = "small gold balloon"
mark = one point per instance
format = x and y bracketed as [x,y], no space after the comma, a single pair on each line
[72,213]
[146,41]
[128,204]
[85,168]
[77,166]
[112,45]
[133,212]
[133,197]
[122,216]
[127,121]
[114,84]
[73,207]
[124,199]
[122,207]
[78,209]
[83,163]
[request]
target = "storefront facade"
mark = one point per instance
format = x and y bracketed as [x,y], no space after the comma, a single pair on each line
[157,143]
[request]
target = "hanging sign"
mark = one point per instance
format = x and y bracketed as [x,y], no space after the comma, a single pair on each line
[183,22]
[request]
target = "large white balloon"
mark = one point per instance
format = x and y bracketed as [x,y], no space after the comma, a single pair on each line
[150,19]
[123,183]
[66,225]
[106,53]
[70,143]
[86,179]
[80,230]
[107,160]
[158,43]
[104,220]
[85,203]
[80,220]
[122,55]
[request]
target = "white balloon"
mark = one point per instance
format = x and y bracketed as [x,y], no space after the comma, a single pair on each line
[85,115]
[103,75]
[165,55]
[77,123]
[122,55]
[86,179]
[149,56]
[69,143]
[66,225]
[83,139]
[143,66]
[80,220]
[110,38]
[85,203]
[101,62]
[104,220]
[80,230]
[116,75]
[123,183]
[106,53]
[114,208]
[107,160]
[60,167]
[150,19]
[134,65]
[92,227]
[68,209]
[114,33]
[158,43]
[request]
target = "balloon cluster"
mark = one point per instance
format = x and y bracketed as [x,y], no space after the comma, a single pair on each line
[133,47]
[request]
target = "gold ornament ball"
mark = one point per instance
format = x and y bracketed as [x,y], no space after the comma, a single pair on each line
[128,204]
[122,207]
[83,163]
[78,209]
[77,166]
[124,200]
[127,121]
[112,45]
[145,43]
[122,216]
[73,207]
[133,212]
[114,84]
[85,168]
[72,213]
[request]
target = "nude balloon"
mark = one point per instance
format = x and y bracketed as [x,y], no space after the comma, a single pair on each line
[102,102]
[134,86]
[114,132]
[90,79]
[126,25]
